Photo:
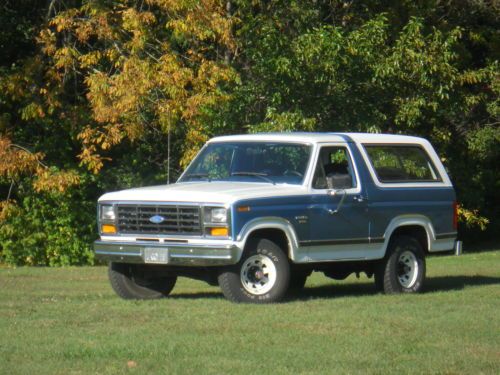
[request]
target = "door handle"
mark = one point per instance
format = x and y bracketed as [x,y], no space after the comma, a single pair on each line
[359,198]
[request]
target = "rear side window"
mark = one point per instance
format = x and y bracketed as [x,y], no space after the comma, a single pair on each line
[401,163]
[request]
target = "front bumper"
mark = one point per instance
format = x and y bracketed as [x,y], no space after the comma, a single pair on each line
[176,254]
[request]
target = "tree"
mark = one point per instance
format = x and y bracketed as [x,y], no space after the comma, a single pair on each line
[98,95]
[106,77]
[344,66]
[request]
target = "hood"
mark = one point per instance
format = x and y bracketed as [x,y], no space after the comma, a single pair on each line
[204,192]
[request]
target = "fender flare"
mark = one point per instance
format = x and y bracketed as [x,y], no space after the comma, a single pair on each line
[407,220]
[270,222]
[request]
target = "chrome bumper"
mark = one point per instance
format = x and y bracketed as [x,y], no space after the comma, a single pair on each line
[167,253]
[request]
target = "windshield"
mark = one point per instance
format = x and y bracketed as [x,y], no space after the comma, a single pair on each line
[251,162]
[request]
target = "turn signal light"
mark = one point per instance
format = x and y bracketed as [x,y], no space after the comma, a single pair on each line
[108,229]
[221,232]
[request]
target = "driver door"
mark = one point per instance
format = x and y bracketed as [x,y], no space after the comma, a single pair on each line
[339,225]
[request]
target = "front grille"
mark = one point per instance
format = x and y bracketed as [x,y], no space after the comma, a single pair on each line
[177,219]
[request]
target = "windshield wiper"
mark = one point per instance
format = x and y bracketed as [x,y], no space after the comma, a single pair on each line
[254,174]
[198,175]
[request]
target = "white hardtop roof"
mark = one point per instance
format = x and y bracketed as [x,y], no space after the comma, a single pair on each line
[319,137]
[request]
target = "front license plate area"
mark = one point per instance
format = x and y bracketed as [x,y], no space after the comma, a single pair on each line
[156,255]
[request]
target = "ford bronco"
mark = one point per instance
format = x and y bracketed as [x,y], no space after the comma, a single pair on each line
[258,213]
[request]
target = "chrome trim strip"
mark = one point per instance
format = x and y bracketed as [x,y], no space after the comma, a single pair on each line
[191,256]
[118,253]
[169,245]
[346,241]
[377,239]
[160,203]
[343,241]
[442,236]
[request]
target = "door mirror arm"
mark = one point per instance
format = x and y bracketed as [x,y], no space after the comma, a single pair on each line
[334,193]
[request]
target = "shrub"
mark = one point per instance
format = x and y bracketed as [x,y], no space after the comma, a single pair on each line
[49,230]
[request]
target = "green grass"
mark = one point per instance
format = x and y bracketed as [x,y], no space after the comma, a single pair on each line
[68,321]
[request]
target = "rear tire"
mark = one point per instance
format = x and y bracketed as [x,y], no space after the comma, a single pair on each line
[131,281]
[403,269]
[261,276]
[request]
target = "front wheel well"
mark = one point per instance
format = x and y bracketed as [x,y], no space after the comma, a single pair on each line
[272,234]
[416,231]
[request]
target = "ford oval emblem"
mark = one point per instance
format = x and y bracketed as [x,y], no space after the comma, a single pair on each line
[157,219]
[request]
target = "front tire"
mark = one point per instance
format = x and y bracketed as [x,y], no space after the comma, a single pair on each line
[403,269]
[261,276]
[133,281]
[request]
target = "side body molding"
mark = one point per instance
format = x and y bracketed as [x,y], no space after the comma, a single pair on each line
[298,256]
[271,222]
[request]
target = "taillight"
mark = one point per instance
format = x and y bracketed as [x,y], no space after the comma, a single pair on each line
[455,215]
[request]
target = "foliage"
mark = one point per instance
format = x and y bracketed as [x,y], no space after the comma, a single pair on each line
[105,77]
[366,73]
[101,95]
[34,233]
[471,218]
[153,64]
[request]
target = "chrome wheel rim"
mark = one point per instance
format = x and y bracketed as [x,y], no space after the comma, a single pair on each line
[258,274]
[407,269]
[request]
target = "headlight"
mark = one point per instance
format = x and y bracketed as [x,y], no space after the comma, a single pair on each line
[217,215]
[107,212]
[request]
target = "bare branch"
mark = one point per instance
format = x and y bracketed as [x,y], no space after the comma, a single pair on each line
[29,152]
[50,10]
[10,189]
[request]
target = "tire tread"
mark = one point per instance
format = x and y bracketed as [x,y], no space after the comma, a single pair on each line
[126,288]
[384,277]
[229,277]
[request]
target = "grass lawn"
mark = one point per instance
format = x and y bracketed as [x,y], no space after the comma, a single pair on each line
[68,321]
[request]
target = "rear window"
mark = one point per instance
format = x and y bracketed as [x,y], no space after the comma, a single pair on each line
[402,163]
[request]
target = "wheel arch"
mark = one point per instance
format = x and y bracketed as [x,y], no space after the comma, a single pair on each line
[276,229]
[418,226]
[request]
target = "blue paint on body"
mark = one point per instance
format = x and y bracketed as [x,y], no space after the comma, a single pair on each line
[312,220]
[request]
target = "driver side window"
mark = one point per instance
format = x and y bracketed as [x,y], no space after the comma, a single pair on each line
[334,169]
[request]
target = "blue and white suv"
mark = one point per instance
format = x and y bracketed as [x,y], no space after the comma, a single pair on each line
[258,213]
